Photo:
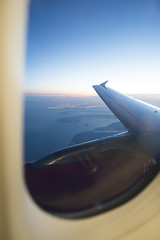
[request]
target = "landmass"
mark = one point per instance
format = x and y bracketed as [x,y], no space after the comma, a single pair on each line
[98,133]
[74,119]
[118,126]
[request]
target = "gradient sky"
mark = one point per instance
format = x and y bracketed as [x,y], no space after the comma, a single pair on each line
[74,44]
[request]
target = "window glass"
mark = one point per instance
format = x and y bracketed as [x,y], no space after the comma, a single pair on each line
[71,46]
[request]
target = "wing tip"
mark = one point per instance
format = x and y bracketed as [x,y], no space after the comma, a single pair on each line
[104,84]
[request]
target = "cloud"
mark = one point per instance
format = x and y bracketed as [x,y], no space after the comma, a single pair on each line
[77,106]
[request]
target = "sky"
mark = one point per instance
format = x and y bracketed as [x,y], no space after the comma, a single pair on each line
[74,44]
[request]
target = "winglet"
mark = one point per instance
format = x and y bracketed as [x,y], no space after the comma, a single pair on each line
[104,84]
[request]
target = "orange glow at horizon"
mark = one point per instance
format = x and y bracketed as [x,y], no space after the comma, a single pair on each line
[52,94]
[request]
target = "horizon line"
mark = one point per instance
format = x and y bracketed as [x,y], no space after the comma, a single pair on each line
[52,94]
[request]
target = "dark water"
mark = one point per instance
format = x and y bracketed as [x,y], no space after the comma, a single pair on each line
[52,123]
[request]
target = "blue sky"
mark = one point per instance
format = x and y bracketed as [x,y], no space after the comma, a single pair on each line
[74,44]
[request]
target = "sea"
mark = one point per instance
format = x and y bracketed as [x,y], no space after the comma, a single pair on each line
[52,123]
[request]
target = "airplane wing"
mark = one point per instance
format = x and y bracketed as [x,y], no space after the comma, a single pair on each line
[140,118]
[96,176]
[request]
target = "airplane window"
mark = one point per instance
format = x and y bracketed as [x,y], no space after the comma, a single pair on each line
[90,149]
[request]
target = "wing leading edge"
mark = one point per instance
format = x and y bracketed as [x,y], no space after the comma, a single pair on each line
[140,118]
